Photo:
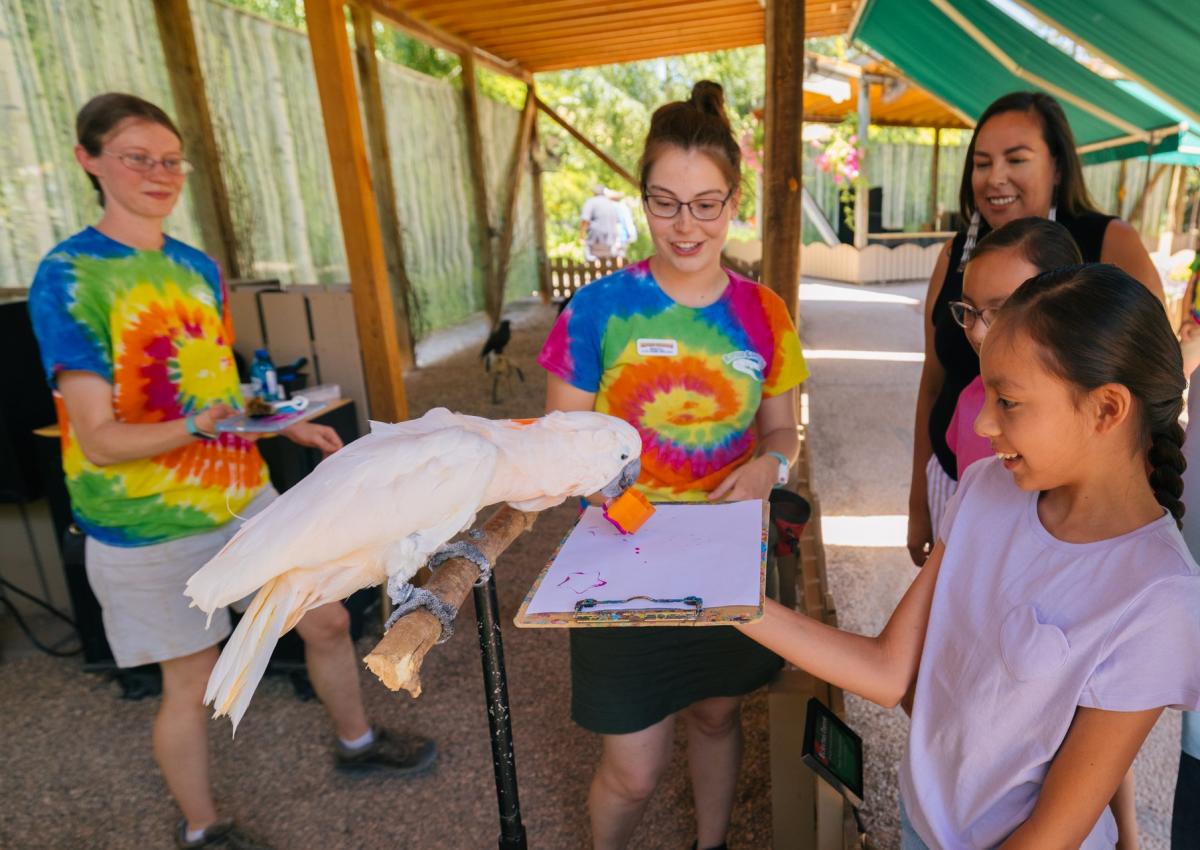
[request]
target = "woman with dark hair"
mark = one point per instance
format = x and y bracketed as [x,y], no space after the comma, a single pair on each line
[1021,162]
[704,364]
[136,339]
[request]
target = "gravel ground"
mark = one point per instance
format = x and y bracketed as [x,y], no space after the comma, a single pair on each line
[78,770]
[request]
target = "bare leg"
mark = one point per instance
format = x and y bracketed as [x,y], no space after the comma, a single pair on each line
[629,770]
[1124,809]
[181,735]
[714,729]
[333,668]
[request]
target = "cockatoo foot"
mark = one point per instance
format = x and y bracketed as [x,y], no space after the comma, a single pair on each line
[467,550]
[407,599]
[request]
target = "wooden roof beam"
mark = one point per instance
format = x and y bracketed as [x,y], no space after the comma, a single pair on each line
[570,59]
[512,40]
[498,14]
[701,13]
[438,37]
[587,143]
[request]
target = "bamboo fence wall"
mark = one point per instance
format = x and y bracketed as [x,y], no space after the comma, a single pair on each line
[55,54]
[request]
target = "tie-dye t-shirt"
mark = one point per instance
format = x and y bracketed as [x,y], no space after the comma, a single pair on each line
[156,325]
[689,379]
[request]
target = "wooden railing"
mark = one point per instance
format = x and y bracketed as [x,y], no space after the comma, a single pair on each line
[745,268]
[568,276]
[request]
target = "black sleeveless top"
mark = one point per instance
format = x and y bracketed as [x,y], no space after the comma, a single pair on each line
[950,344]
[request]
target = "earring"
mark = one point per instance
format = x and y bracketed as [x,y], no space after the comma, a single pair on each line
[969,243]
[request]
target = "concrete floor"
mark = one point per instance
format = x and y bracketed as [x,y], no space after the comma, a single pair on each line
[864,346]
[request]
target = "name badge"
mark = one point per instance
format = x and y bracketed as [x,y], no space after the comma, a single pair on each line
[657,347]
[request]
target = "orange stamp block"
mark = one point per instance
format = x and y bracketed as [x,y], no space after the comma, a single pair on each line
[629,511]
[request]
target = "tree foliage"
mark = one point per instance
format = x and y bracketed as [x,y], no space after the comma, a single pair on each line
[611,105]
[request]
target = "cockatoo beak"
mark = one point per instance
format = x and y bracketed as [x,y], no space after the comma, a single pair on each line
[623,481]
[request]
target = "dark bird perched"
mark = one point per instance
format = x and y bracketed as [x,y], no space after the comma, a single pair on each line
[497,340]
[494,361]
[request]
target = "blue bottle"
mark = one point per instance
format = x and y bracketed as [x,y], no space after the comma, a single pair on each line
[263,378]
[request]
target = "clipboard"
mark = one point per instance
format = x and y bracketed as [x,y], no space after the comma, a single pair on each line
[715,550]
[273,424]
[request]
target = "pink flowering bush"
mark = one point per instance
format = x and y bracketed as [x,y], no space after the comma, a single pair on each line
[840,155]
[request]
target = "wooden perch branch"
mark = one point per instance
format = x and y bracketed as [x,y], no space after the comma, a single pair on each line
[397,658]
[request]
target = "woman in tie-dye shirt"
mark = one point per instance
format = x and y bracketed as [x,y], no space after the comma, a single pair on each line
[135,336]
[704,364]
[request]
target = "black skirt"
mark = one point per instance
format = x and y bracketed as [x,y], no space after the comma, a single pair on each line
[625,679]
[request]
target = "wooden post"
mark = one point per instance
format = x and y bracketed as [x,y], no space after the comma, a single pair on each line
[784,145]
[1166,239]
[934,216]
[374,313]
[1194,220]
[381,177]
[210,194]
[483,219]
[1122,189]
[539,216]
[512,193]
[862,195]
[1139,214]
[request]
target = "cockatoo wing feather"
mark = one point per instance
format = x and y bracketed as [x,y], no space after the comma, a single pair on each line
[379,489]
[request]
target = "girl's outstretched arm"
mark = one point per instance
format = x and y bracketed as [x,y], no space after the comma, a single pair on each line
[879,668]
[1094,758]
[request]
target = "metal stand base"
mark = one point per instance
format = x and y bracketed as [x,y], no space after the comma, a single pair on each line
[495,684]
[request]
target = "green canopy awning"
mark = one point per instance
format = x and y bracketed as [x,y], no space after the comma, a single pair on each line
[968,53]
[1154,42]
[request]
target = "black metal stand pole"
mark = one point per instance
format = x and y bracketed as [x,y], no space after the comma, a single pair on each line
[495,684]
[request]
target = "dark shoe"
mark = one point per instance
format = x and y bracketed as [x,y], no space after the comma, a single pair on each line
[721,846]
[399,755]
[222,834]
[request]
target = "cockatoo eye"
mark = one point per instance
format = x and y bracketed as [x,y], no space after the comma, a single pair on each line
[624,455]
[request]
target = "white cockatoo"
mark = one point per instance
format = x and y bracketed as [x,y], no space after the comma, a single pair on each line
[376,511]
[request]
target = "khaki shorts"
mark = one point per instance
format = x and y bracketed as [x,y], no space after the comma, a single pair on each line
[147,619]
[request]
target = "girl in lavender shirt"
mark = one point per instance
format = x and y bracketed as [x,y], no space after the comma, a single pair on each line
[1043,638]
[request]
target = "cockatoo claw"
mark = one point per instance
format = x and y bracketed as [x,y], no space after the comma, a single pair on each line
[463,549]
[407,599]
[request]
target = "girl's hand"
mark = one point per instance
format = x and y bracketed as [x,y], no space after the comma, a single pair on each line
[752,480]
[314,436]
[207,419]
[920,534]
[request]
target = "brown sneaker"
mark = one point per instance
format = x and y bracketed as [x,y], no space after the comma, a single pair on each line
[222,834]
[398,755]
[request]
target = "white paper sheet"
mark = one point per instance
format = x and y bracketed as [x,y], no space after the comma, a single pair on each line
[710,551]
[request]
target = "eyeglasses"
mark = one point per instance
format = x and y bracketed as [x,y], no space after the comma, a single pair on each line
[702,209]
[965,315]
[143,164]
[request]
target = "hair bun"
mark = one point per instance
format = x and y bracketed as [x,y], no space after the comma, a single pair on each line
[709,97]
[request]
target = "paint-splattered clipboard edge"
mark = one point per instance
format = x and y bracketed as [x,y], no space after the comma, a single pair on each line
[719,616]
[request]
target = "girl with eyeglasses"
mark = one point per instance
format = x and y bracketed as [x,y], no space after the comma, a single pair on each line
[136,339]
[1002,261]
[1021,162]
[705,364]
